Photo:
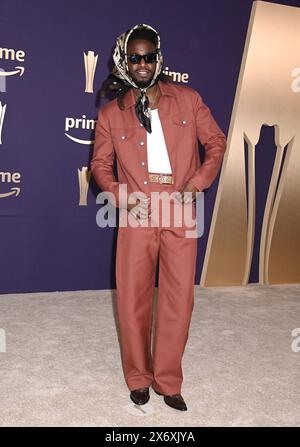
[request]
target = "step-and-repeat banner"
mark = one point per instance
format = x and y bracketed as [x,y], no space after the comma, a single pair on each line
[54,57]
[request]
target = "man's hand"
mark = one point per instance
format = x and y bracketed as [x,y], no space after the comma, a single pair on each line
[142,210]
[187,198]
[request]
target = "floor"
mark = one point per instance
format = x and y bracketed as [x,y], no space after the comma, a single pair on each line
[60,361]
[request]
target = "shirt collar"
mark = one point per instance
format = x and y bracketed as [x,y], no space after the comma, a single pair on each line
[165,88]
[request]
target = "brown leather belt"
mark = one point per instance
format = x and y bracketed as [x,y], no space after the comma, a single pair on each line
[161,178]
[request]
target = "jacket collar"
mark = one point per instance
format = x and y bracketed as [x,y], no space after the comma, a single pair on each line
[166,89]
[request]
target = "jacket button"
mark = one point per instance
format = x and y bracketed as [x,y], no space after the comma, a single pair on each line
[142,143]
[145,182]
[123,137]
[183,122]
[141,124]
[142,163]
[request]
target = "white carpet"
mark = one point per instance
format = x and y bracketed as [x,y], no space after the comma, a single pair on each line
[61,362]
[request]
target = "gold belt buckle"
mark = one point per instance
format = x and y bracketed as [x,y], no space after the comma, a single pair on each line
[161,178]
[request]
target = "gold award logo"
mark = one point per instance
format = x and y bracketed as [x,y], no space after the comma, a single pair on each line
[2,114]
[267,94]
[90,63]
[84,176]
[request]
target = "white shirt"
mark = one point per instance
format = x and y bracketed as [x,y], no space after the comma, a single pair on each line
[157,153]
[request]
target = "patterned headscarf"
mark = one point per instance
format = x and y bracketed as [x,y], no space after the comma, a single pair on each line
[121,71]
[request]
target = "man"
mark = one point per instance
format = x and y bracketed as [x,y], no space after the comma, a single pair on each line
[153,128]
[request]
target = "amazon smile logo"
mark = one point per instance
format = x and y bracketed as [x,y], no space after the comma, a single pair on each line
[17,56]
[10,177]
[79,123]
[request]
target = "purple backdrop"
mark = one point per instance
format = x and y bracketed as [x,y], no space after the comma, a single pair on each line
[48,241]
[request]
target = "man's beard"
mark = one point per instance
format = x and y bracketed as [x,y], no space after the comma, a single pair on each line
[143,84]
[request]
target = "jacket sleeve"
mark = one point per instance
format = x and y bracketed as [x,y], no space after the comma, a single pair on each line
[214,142]
[103,159]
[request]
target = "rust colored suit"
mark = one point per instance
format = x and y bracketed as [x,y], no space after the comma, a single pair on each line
[185,119]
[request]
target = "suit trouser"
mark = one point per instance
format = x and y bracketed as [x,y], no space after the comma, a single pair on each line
[136,259]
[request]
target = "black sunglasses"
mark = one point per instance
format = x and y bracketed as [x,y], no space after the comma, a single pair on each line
[149,58]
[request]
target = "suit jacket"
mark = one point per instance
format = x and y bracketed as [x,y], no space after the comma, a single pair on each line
[185,119]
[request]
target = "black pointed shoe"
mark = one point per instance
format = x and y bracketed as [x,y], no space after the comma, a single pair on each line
[140,396]
[175,401]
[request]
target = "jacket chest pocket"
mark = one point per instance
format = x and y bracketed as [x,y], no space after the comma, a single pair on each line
[124,141]
[122,135]
[122,138]
[184,123]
